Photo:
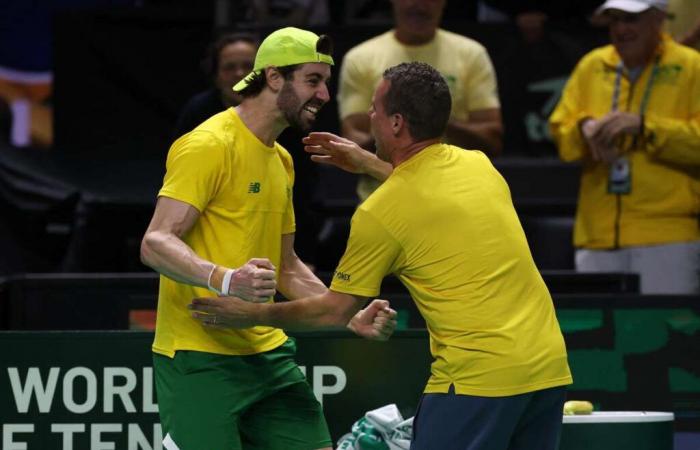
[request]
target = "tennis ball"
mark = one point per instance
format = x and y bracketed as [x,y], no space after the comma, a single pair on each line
[577,407]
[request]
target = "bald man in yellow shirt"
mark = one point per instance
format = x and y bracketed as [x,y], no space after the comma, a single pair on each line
[443,222]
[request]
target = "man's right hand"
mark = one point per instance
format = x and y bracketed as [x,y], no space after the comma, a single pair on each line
[254,281]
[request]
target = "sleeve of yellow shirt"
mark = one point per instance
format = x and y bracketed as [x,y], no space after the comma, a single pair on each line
[673,140]
[481,86]
[354,89]
[195,169]
[677,140]
[371,254]
[564,121]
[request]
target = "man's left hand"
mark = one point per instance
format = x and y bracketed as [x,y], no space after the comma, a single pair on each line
[224,312]
[376,322]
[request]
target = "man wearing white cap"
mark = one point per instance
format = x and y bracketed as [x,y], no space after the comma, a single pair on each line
[224,221]
[631,114]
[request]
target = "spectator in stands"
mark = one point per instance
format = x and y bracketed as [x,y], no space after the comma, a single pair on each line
[475,122]
[224,221]
[443,222]
[685,23]
[631,114]
[228,60]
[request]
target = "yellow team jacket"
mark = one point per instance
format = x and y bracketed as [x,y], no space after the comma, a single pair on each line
[664,200]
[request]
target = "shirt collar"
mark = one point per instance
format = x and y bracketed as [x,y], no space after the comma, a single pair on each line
[611,58]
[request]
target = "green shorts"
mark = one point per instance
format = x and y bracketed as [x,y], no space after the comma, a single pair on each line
[220,402]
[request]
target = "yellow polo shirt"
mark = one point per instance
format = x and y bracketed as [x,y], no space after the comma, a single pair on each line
[445,225]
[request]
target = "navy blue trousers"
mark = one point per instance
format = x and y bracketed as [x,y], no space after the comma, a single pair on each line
[449,421]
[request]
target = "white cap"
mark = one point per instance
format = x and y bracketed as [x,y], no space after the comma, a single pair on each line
[632,6]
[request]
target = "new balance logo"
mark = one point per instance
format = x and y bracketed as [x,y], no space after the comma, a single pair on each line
[254,188]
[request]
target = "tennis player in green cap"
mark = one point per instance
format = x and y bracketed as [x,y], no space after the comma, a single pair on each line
[224,222]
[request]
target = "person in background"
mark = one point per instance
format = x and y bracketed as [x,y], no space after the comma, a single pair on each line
[224,221]
[228,60]
[443,222]
[631,114]
[475,122]
[684,25]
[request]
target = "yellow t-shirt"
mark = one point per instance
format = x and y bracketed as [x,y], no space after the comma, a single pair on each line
[445,225]
[243,192]
[463,62]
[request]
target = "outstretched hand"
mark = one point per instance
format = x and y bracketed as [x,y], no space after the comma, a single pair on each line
[376,322]
[328,148]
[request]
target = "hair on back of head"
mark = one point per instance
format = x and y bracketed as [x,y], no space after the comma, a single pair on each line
[325,45]
[420,94]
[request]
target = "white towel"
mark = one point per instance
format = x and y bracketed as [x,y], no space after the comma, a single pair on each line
[380,429]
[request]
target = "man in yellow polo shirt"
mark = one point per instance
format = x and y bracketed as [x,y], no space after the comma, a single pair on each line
[444,223]
[224,221]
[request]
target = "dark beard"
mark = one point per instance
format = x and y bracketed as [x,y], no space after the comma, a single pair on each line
[288,102]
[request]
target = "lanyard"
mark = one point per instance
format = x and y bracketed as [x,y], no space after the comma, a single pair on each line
[647,88]
[619,174]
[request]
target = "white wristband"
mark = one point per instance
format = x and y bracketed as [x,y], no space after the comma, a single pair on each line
[226,284]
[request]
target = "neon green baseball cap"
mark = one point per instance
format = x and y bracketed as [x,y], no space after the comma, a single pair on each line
[285,47]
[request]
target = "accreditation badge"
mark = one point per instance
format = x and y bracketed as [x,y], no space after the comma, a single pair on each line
[620,176]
